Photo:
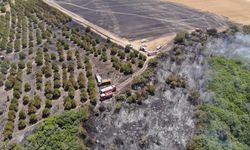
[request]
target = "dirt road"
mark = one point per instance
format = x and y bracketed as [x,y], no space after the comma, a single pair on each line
[236,10]
[122,85]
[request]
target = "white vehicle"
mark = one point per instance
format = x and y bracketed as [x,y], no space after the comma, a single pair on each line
[130,46]
[98,79]
[1,57]
[152,53]
[197,29]
[158,47]
[144,49]
[143,40]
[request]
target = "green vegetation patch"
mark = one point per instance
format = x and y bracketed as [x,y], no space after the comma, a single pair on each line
[60,132]
[224,123]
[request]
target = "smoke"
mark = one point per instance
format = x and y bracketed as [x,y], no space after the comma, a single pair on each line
[233,46]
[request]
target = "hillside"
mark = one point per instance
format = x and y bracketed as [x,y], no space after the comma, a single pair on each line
[65,85]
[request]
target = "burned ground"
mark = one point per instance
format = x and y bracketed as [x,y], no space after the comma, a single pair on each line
[165,120]
[136,19]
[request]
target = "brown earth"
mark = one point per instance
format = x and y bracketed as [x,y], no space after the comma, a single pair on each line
[236,10]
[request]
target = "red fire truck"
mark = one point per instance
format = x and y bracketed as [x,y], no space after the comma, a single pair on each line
[110,88]
[106,95]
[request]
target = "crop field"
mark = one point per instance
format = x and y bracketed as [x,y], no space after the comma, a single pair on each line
[136,19]
[236,10]
[49,64]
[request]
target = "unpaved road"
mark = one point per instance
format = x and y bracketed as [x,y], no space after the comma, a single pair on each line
[122,85]
[236,10]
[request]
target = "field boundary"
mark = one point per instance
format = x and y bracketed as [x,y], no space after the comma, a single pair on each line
[97,29]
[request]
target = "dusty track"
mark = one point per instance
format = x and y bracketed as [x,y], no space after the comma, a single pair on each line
[124,84]
[236,10]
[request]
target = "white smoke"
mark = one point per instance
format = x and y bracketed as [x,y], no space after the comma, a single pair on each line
[237,45]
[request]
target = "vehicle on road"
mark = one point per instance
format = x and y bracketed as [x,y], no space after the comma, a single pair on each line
[106,95]
[152,53]
[110,88]
[98,79]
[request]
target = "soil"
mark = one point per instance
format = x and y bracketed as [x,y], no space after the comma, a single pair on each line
[236,10]
[130,21]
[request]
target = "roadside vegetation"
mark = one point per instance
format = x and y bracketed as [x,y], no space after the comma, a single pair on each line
[141,86]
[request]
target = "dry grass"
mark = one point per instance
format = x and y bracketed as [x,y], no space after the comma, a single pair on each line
[236,10]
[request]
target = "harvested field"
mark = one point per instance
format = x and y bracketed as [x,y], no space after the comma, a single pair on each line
[134,19]
[236,10]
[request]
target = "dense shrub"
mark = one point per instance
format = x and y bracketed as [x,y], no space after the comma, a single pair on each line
[25,100]
[27,87]
[21,124]
[69,125]
[33,118]
[22,114]
[56,93]
[224,122]
[46,112]
[180,37]
[48,103]
[69,103]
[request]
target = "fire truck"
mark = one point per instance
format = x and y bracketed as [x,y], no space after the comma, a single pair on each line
[106,95]
[110,88]
[106,82]
[152,53]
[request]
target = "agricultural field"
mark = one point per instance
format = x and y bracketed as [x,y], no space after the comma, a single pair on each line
[135,19]
[49,64]
[235,10]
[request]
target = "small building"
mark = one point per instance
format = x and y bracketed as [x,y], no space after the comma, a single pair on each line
[110,88]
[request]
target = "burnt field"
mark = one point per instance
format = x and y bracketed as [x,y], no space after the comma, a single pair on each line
[137,19]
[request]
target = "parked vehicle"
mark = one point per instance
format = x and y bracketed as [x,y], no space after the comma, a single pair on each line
[158,47]
[152,53]
[106,82]
[105,96]
[98,79]
[110,88]
[1,57]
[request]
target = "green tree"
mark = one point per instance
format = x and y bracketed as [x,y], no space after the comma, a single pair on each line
[27,87]
[21,124]
[33,118]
